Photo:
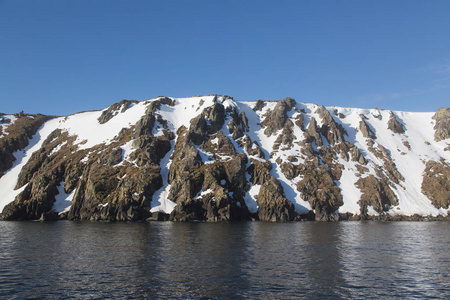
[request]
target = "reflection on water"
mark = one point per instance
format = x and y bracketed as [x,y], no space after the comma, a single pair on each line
[225,260]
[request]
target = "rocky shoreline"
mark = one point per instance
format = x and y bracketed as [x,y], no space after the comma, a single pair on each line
[310,217]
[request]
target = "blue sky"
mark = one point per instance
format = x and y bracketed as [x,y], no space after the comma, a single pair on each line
[59,57]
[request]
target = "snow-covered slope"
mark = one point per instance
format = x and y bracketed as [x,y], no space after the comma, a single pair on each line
[175,155]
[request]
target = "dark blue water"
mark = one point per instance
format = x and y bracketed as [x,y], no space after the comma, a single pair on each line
[356,260]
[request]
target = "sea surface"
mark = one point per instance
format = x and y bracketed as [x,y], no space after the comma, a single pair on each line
[239,260]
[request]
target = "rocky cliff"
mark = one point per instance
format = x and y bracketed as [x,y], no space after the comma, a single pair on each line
[212,158]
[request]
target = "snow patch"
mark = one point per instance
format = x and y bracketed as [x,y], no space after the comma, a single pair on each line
[63,201]
[250,198]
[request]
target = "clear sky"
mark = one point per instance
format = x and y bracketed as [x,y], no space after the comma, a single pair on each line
[59,57]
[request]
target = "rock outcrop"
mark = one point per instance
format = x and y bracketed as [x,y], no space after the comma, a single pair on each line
[16,137]
[436,183]
[442,127]
[275,119]
[394,124]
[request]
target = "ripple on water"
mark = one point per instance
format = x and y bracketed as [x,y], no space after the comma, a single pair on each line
[365,260]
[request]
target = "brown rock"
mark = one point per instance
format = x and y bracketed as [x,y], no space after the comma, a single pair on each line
[442,126]
[436,183]
[394,125]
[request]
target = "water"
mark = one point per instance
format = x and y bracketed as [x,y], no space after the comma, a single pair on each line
[347,260]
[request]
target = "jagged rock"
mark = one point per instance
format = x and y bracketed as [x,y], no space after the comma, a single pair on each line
[376,193]
[307,150]
[318,188]
[329,158]
[259,105]
[436,183]
[24,209]
[244,121]
[312,133]
[272,204]
[286,137]
[238,125]
[300,121]
[222,146]
[276,119]
[209,121]
[167,101]
[145,126]
[252,148]
[442,126]
[218,181]
[357,155]
[289,170]
[365,130]
[333,132]
[394,125]
[149,150]
[113,110]
[104,193]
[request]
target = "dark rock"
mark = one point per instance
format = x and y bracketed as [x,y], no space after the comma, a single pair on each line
[276,119]
[259,105]
[272,204]
[159,216]
[210,121]
[49,216]
[319,189]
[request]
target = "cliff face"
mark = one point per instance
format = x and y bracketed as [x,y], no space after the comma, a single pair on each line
[212,158]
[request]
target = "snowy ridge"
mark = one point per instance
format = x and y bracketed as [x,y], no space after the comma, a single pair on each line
[409,151]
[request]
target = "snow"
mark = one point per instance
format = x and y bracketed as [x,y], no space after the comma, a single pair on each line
[90,132]
[57,148]
[409,162]
[9,180]
[207,157]
[160,201]
[290,190]
[127,149]
[63,201]
[419,128]
[183,111]
[250,198]
[350,193]
[203,193]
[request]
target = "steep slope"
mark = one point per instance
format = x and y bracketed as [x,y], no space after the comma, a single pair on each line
[213,158]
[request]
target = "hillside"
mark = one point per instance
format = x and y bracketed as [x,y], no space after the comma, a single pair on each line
[214,158]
